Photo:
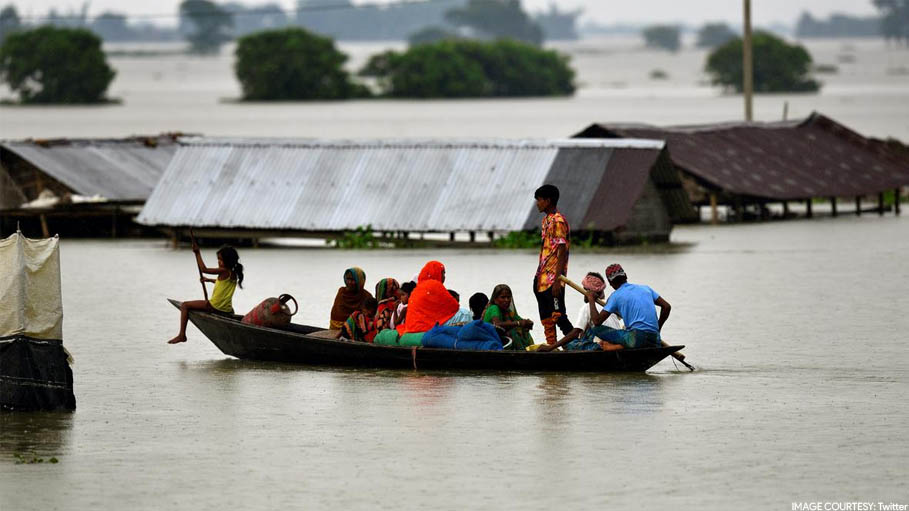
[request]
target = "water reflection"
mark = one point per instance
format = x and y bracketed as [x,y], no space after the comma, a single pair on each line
[38,433]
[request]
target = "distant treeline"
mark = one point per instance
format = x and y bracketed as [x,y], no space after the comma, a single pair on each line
[839,25]
[338,19]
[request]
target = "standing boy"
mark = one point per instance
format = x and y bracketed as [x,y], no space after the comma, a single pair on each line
[553,262]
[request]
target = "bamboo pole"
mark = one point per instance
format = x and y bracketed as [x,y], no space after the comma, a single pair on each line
[747,62]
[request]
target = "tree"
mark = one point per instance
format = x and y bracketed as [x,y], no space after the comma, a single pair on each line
[112,26]
[430,35]
[497,19]
[463,68]
[206,25]
[662,36]
[55,65]
[778,66]
[895,22]
[9,21]
[712,35]
[292,64]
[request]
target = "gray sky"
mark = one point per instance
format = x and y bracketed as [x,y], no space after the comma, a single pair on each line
[692,12]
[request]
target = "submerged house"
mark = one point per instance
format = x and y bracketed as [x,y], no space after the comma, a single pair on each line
[79,187]
[617,190]
[749,165]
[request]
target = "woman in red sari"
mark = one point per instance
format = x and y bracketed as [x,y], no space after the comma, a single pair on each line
[430,303]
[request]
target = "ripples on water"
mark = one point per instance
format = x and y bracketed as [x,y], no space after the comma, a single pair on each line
[797,327]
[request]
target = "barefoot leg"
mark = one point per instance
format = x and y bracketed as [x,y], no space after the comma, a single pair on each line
[185,307]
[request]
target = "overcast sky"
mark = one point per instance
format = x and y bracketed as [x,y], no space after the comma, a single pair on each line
[692,12]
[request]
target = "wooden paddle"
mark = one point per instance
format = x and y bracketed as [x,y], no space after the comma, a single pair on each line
[678,356]
[204,289]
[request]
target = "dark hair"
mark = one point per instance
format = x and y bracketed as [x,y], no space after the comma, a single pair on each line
[370,303]
[547,192]
[454,294]
[597,275]
[408,287]
[621,279]
[231,260]
[478,302]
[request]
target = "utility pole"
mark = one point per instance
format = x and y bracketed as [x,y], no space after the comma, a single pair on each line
[747,62]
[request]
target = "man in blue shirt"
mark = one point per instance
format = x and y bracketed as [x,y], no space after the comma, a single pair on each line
[635,303]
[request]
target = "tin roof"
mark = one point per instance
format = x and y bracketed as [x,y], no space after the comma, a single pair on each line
[817,157]
[122,169]
[392,185]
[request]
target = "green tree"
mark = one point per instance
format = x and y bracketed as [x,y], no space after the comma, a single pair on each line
[206,25]
[55,65]
[292,64]
[712,35]
[461,68]
[497,19]
[662,36]
[895,19]
[9,21]
[778,66]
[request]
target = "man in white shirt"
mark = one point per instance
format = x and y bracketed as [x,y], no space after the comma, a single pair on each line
[593,283]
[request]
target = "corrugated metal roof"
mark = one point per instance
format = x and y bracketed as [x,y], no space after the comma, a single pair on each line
[126,169]
[392,185]
[787,160]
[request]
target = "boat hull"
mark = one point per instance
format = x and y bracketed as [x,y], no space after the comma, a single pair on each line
[296,345]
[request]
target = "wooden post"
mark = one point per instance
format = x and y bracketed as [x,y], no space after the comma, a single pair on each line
[785,209]
[896,201]
[113,223]
[858,206]
[808,212]
[747,62]
[473,236]
[714,214]
[880,204]
[451,236]
[44,230]
[833,206]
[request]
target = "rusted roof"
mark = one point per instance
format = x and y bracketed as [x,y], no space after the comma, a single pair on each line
[116,169]
[395,185]
[817,157]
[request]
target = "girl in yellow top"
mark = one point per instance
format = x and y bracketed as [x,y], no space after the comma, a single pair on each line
[230,275]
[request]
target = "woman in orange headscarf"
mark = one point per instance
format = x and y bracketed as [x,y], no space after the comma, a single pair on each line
[430,303]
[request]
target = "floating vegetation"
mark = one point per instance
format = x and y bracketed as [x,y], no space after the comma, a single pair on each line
[659,74]
[30,459]
[828,69]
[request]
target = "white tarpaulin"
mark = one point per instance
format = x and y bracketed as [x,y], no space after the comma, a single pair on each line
[30,299]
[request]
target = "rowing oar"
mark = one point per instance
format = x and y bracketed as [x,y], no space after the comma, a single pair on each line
[204,290]
[678,356]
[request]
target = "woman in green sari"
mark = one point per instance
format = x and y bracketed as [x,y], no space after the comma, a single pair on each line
[501,313]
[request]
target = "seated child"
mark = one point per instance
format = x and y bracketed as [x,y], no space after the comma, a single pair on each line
[361,325]
[478,303]
[400,313]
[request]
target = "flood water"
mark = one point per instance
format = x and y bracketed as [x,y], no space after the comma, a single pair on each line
[798,330]
[869,93]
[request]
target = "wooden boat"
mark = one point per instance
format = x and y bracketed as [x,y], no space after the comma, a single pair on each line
[303,344]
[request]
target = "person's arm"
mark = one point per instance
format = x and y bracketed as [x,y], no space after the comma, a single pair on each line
[597,318]
[572,335]
[211,271]
[665,308]
[561,264]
